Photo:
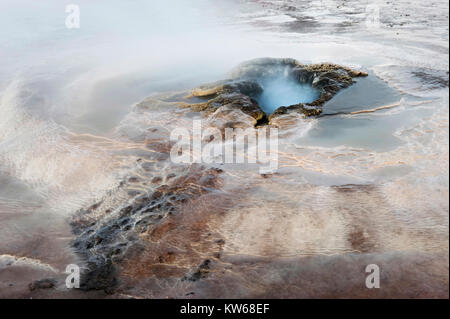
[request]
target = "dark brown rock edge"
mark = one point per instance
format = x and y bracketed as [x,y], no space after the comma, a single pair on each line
[106,236]
[243,86]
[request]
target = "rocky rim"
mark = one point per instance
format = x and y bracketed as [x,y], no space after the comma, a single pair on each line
[240,90]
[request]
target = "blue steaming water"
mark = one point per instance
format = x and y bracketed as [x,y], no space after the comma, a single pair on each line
[284,91]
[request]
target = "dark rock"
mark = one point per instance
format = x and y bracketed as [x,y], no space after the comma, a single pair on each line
[42,284]
[156,180]
[201,272]
[106,240]
[100,276]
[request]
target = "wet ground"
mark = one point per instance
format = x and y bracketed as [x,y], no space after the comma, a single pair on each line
[364,183]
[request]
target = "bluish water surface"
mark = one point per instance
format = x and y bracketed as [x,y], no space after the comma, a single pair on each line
[284,91]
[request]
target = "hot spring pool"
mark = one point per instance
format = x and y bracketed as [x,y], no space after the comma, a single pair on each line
[284,91]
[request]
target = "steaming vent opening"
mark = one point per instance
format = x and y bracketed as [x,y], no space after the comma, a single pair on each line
[283,89]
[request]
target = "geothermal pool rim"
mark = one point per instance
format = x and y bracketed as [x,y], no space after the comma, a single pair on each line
[244,86]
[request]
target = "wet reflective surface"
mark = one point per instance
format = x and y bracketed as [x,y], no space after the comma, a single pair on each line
[364,183]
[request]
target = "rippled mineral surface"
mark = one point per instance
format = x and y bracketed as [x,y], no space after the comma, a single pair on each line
[86,176]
